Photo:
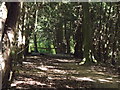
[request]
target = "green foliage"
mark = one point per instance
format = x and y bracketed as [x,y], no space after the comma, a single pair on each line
[57,26]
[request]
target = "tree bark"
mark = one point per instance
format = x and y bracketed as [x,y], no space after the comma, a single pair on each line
[59,39]
[35,25]
[79,43]
[67,37]
[3,17]
[8,39]
[87,33]
[35,43]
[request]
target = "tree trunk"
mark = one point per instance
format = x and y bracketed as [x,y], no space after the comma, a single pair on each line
[8,38]
[35,43]
[87,32]
[59,39]
[26,47]
[35,34]
[79,43]
[67,37]
[3,17]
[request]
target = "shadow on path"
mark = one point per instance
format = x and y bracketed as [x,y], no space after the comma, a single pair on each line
[39,72]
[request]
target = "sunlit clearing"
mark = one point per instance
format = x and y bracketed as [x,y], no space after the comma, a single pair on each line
[103,80]
[82,79]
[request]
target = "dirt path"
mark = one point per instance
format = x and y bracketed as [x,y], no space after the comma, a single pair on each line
[41,72]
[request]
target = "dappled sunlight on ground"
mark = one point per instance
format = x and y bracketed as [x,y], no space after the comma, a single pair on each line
[64,60]
[46,72]
[82,78]
[104,80]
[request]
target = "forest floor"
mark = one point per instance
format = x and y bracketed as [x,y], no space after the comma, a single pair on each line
[41,72]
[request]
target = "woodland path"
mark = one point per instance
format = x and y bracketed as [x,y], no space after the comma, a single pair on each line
[50,73]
